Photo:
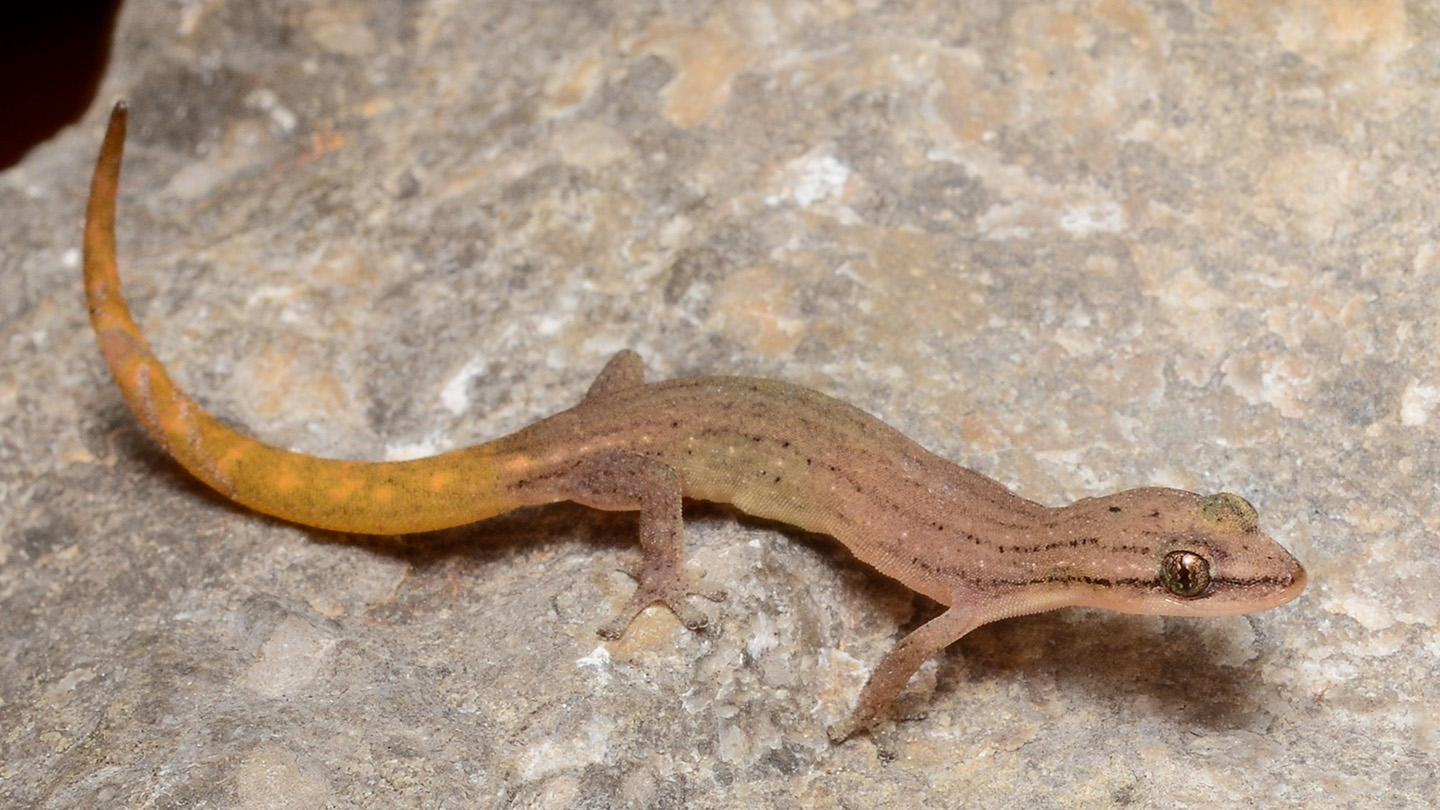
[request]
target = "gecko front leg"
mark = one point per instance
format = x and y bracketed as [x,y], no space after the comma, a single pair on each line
[895,669]
[630,481]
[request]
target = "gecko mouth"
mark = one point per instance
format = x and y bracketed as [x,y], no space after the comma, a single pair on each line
[1248,595]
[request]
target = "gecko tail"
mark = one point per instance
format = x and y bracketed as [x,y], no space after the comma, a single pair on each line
[426,494]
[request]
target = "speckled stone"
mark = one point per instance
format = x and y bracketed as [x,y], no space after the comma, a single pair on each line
[1079,247]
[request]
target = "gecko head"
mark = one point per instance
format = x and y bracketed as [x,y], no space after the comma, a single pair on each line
[1177,553]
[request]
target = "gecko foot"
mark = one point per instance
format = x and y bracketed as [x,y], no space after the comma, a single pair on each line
[671,587]
[636,481]
[862,718]
[905,709]
[895,669]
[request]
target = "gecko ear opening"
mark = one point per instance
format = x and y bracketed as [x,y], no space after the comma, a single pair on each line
[1225,510]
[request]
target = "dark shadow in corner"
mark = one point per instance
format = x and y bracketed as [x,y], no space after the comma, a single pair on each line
[52,55]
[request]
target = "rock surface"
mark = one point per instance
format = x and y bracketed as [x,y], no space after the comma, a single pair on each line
[1080,249]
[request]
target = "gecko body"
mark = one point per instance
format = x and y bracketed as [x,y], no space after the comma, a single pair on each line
[771,449]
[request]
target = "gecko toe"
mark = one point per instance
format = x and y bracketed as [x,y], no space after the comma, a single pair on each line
[692,618]
[669,587]
[620,622]
[713,591]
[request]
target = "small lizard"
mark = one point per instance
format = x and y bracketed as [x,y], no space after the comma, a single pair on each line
[773,450]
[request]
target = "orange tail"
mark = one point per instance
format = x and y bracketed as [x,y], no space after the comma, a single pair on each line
[350,496]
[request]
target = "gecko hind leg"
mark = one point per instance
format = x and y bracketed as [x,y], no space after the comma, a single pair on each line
[895,669]
[630,481]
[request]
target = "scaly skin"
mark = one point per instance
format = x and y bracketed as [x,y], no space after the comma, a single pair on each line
[774,450]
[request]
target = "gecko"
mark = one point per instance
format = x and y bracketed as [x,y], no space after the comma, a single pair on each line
[768,448]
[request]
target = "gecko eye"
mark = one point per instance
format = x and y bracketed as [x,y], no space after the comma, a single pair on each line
[1185,573]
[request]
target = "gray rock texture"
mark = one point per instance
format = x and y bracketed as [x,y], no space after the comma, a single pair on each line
[1079,247]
